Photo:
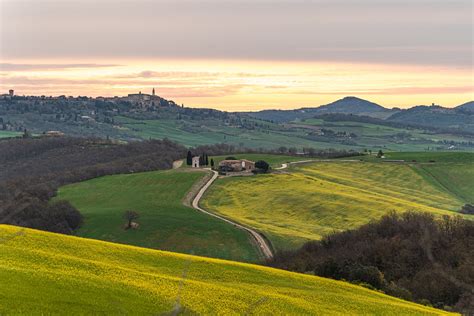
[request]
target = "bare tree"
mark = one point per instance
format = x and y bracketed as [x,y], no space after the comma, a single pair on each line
[130,216]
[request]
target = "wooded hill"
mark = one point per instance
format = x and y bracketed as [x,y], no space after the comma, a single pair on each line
[414,129]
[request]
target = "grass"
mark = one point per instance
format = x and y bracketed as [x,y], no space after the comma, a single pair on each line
[296,134]
[274,161]
[438,157]
[456,178]
[44,273]
[388,137]
[7,134]
[316,199]
[193,133]
[165,223]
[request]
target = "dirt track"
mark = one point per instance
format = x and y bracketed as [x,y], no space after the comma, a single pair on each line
[258,238]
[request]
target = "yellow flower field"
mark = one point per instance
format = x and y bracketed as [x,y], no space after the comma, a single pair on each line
[319,198]
[46,273]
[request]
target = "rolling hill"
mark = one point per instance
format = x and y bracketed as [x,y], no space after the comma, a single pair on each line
[165,223]
[347,105]
[352,105]
[468,106]
[315,199]
[435,116]
[119,119]
[46,273]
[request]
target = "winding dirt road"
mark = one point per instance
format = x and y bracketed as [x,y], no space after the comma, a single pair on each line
[262,244]
[258,238]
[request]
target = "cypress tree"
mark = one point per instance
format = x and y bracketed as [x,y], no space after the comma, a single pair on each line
[207,160]
[189,158]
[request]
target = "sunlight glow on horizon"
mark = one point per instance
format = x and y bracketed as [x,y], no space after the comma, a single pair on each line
[237,85]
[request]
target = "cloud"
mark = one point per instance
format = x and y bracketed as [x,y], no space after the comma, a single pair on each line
[28,67]
[428,32]
[170,88]
[432,90]
[166,74]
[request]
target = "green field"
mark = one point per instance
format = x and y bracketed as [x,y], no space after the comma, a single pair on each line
[444,157]
[274,161]
[7,134]
[315,199]
[375,136]
[192,133]
[44,273]
[298,134]
[456,178]
[451,171]
[165,223]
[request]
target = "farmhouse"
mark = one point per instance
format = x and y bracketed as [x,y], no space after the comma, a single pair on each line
[238,165]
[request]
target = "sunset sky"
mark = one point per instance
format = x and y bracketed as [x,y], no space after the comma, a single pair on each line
[241,55]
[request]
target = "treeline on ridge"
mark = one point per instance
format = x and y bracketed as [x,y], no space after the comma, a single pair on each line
[414,256]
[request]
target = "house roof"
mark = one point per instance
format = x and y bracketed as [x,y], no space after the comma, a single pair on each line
[239,161]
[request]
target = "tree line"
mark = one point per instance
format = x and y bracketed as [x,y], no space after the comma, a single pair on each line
[34,168]
[414,256]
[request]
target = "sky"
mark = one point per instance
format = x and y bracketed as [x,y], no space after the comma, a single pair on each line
[241,55]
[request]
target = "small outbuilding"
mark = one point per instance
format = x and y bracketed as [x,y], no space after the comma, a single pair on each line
[195,162]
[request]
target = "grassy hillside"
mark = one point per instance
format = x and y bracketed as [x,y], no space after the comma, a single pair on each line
[456,178]
[165,223]
[45,273]
[450,171]
[192,133]
[316,199]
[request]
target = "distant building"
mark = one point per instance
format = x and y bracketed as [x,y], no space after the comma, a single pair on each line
[11,92]
[54,133]
[143,100]
[195,162]
[238,165]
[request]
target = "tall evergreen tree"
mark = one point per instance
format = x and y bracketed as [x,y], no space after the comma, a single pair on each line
[189,158]
[207,160]
[212,163]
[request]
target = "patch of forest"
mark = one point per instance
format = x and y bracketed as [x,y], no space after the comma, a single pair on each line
[414,256]
[33,169]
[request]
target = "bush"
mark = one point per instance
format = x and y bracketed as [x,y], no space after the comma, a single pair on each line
[467,209]
[262,166]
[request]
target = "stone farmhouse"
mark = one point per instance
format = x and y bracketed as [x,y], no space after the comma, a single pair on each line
[239,165]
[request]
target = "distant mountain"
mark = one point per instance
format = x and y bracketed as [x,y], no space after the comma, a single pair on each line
[347,105]
[469,107]
[436,116]
[351,105]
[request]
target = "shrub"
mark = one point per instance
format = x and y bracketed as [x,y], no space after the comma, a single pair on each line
[262,166]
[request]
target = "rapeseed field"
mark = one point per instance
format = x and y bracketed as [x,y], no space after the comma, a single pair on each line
[316,199]
[45,273]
